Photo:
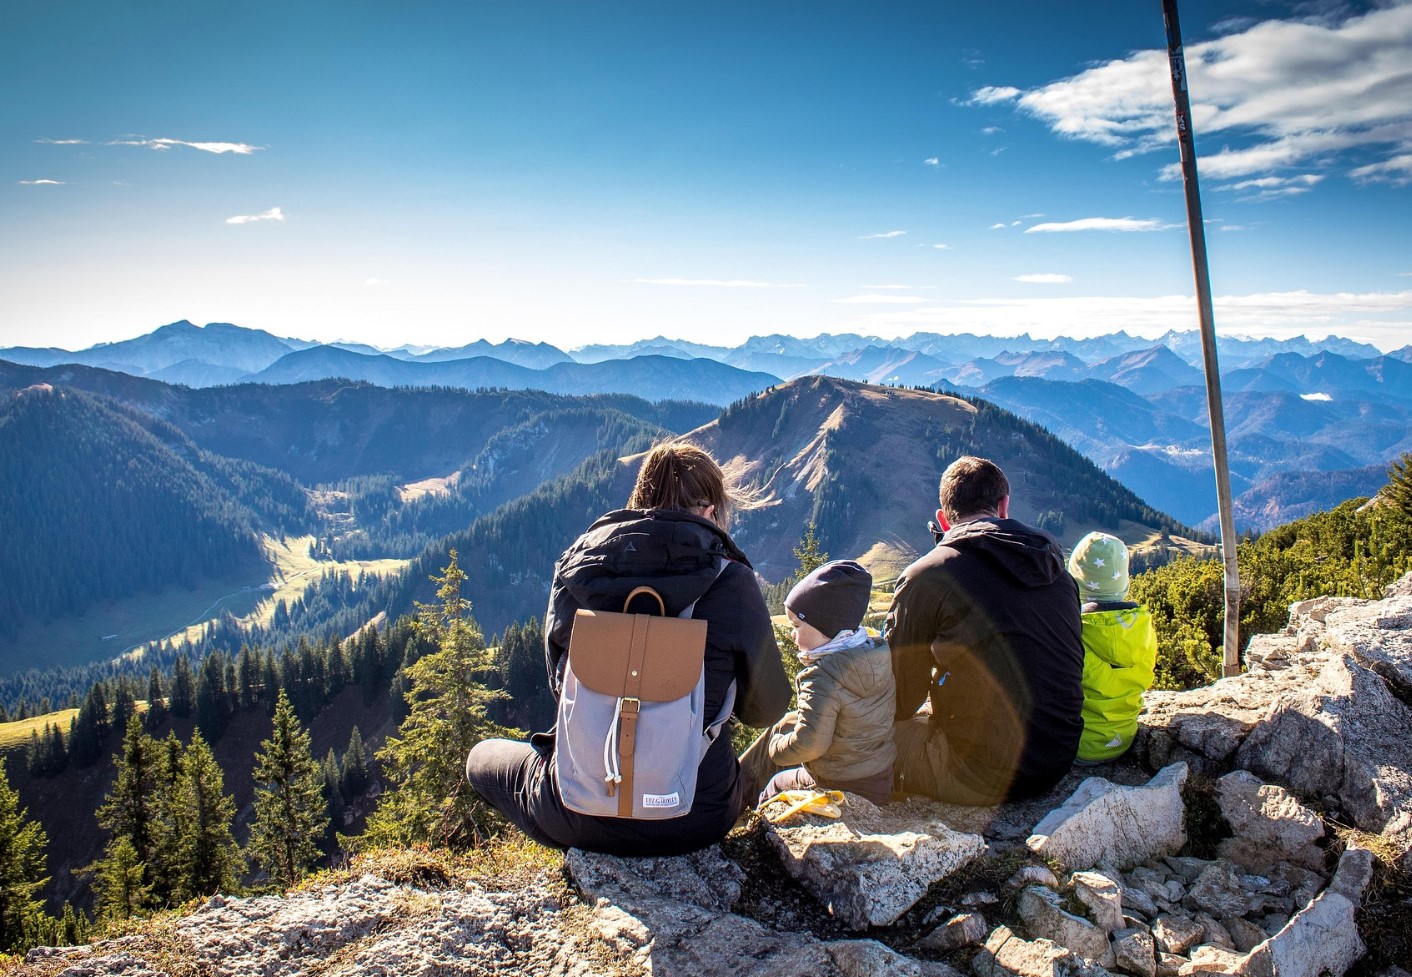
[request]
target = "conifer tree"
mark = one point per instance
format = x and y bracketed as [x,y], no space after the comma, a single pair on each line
[424,763]
[120,882]
[808,553]
[183,687]
[129,814]
[22,844]
[1398,491]
[156,706]
[207,858]
[354,779]
[290,812]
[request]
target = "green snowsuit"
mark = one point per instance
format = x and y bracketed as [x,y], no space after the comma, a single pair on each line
[1120,658]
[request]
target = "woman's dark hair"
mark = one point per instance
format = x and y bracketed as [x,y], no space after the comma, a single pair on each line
[676,475]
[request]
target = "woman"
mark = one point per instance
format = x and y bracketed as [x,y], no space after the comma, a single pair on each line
[672,538]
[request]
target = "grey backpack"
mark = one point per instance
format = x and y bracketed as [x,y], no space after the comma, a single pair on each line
[630,733]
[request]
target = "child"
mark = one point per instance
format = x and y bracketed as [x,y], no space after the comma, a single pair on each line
[842,730]
[1120,647]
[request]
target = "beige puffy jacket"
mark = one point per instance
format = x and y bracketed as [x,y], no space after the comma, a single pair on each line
[843,728]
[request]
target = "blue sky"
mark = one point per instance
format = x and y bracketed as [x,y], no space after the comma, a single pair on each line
[574,172]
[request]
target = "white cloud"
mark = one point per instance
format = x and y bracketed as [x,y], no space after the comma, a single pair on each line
[41,183]
[1319,396]
[880,300]
[932,161]
[991,131]
[889,286]
[239,148]
[273,214]
[711,283]
[1260,189]
[1044,279]
[942,247]
[999,226]
[1277,92]
[1397,171]
[63,142]
[884,234]
[1127,224]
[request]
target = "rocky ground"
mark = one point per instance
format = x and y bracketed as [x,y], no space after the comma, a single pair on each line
[1260,826]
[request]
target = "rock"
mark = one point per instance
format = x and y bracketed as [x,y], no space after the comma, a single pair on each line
[869,958]
[1135,951]
[1169,964]
[870,866]
[706,878]
[1378,634]
[1186,867]
[1175,934]
[956,932]
[1033,875]
[1122,825]
[1324,935]
[1272,923]
[1212,960]
[1223,891]
[1103,898]
[1043,913]
[1213,933]
[979,899]
[1244,934]
[1006,955]
[1268,823]
[1136,899]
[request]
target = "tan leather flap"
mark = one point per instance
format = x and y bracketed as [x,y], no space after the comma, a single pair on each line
[600,649]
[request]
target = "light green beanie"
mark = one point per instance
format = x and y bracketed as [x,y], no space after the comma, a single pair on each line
[1100,565]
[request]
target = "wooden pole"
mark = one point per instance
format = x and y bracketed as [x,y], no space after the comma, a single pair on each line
[1197,230]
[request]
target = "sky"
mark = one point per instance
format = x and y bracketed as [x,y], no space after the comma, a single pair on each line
[434,173]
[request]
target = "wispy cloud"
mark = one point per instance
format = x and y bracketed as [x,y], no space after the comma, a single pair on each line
[273,214]
[1127,224]
[932,161]
[881,300]
[239,148]
[999,226]
[1260,189]
[63,142]
[991,131]
[712,283]
[883,234]
[1280,93]
[1397,171]
[1044,279]
[41,183]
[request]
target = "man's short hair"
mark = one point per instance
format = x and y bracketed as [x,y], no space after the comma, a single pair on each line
[972,486]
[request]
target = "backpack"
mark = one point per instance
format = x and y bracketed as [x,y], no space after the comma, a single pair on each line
[630,731]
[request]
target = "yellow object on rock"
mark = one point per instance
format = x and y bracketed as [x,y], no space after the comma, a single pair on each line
[825,803]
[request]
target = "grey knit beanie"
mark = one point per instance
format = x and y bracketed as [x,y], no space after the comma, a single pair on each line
[833,598]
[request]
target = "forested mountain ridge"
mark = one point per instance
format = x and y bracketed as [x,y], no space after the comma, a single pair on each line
[98,501]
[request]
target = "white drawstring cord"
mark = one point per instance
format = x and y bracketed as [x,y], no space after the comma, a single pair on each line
[610,747]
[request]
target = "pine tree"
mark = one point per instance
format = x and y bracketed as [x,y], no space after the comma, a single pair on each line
[22,844]
[129,814]
[156,706]
[207,858]
[183,688]
[120,882]
[1398,491]
[354,778]
[290,812]
[424,763]
[808,554]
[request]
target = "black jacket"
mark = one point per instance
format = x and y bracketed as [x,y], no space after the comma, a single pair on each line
[993,610]
[676,554]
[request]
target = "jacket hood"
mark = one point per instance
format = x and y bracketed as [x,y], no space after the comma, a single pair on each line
[1030,556]
[675,553]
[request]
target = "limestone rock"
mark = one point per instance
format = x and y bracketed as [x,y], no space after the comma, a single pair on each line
[1269,825]
[1043,913]
[1207,959]
[870,866]
[1176,934]
[1169,964]
[1213,933]
[1103,898]
[1222,890]
[1244,934]
[956,932]
[1033,875]
[1121,825]
[706,878]
[1135,952]
[1323,936]
[1006,955]
[869,958]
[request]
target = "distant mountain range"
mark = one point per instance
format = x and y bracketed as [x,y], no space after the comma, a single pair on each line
[1136,407]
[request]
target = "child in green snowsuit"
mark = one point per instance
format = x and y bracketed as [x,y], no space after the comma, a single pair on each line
[1120,647]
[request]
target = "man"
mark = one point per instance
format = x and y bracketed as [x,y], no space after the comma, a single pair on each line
[986,630]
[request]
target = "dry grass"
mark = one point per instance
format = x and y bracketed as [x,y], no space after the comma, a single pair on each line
[16,734]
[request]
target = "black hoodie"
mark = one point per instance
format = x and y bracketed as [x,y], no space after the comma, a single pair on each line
[994,611]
